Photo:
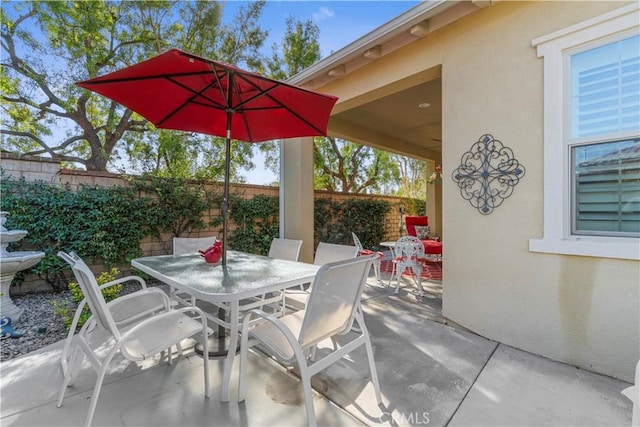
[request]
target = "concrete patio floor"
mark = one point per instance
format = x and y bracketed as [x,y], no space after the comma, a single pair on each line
[431,373]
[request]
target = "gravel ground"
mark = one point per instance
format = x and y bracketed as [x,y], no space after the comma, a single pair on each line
[39,324]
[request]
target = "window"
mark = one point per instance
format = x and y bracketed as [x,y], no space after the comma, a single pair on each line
[605,103]
[592,137]
[606,189]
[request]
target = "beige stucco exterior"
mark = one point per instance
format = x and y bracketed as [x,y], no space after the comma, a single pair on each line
[576,309]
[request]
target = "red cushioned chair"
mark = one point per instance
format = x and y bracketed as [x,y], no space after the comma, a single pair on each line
[431,247]
[411,222]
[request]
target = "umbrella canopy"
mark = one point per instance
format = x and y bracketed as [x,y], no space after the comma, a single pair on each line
[181,91]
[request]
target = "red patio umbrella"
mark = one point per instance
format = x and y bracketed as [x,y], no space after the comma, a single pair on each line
[181,91]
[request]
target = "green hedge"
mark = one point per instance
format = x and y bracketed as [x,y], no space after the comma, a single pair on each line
[95,222]
[108,224]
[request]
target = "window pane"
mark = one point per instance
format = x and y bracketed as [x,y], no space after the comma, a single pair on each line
[605,89]
[607,188]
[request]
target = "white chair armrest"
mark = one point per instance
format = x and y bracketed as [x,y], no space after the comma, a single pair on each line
[280,326]
[138,279]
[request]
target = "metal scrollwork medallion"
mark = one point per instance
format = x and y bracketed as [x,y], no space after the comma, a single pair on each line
[487,174]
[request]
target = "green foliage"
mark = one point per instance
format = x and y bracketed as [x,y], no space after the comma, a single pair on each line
[66,311]
[335,221]
[179,203]
[300,49]
[257,223]
[415,206]
[96,222]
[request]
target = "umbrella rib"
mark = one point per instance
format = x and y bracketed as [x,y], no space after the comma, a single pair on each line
[191,100]
[266,93]
[139,78]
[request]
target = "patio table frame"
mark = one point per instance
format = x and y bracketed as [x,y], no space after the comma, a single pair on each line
[244,278]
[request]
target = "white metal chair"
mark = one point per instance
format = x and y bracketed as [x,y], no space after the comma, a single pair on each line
[334,304]
[288,249]
[138,326]
[363,252]
[188,246]
[325,253]
[409,253]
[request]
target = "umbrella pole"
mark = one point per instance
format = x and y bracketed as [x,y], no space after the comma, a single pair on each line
[225,200]
[219,346]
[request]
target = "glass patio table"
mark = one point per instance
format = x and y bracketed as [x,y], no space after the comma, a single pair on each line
[245,277]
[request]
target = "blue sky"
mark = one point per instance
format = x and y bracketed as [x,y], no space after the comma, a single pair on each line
[340,23]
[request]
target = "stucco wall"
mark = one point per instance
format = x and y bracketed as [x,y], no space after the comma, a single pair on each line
[580,310]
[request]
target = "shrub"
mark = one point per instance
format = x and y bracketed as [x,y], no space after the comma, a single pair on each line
[256,221]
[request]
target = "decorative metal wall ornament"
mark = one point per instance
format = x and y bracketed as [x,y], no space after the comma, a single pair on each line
[487,174]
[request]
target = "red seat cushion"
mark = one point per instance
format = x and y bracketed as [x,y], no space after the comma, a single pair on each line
[432,247]
[365,252]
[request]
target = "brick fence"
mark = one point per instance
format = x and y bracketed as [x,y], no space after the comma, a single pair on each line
[33,168]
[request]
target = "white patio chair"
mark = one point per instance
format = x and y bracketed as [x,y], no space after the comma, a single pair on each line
[325,253]
[188,246]
[138,326]
[409,253]
[332,308]
[288,249]
[362,252]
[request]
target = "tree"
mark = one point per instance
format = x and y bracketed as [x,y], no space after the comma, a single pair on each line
[413,177]
[299,50]
[49,46]
[349,167]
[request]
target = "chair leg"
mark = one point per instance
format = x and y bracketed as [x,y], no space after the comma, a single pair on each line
[96,390]
[370,359]
[205,358]
[398,277]
[419,282]
[66,371]
[71,363]
[376,270]
[305,378]
[393,273]
[242,380]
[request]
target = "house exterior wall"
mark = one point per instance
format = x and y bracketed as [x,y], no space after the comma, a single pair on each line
[579,310]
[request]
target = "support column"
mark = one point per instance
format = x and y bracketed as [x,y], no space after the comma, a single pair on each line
[296,193]
[434,201]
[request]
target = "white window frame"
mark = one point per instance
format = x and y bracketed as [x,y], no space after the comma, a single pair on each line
[554,48]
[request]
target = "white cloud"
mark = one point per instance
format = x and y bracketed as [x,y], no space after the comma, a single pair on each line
[322,14]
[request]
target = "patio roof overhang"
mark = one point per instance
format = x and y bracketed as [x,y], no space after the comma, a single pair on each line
[389,117]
